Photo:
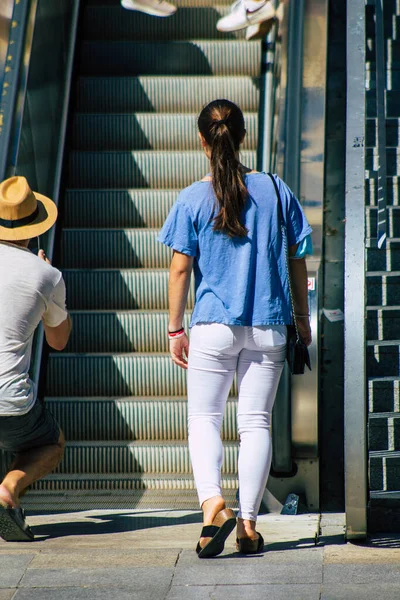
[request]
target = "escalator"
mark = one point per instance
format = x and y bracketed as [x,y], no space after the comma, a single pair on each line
[137,87]
[140,83]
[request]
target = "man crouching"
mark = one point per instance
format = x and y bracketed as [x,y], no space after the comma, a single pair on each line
[31,290]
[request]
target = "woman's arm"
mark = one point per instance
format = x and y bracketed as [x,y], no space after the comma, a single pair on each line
[298,278]
[178,288]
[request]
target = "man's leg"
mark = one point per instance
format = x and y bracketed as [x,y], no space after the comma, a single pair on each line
[28,467]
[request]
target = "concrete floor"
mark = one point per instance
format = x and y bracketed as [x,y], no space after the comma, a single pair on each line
[93,555]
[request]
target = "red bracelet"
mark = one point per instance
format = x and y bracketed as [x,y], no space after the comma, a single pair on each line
[173,335]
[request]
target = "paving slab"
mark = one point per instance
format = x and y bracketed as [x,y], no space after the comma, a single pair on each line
[7,594]
[232,558]
[78,593]
[248,592]
[362,554]
[157,578]
[361,573]
[361,592]
[245,571]
[102,559]
[15,561]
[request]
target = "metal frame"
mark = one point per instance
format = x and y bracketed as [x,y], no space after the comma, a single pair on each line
[354,285]
[382,224]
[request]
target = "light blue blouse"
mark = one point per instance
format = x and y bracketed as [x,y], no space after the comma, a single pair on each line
[239,281]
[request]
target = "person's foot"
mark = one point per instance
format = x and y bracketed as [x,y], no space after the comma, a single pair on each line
[155,8]
[6,498]
[245,13]
[211,508]
[259,31]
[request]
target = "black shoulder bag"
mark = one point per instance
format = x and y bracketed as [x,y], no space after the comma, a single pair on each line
[297,355]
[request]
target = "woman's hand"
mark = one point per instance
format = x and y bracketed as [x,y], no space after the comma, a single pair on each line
[179,349]
[303,325]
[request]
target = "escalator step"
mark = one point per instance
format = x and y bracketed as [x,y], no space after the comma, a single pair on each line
[392,161]
[118,289]
[113,248]
[115,375]
[144,169]
[163,94]
[145,131]
[152,419]
[170,58]
[136,457]
[123,331]
[118,208]
[115,23]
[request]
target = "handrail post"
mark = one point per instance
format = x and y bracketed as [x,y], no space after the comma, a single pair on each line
[354,284]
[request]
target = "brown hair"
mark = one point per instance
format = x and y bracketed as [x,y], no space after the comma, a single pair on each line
[221,124]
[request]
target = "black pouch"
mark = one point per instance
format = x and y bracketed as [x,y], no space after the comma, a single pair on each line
[297,355]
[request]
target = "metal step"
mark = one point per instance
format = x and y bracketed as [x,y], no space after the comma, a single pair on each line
[383,323]
[384,432]
[163,94]
[393,216]
[383,358]
[141,168]
[119,289]
[126,481]
[392,161]
[384,468]
[113,248]
[392,132]
[119,457]
[383,288]
[118,208]
[120,331]
[134,418]
[91,496]
[392,187]
[115,375]
[146,131]
[197,57]
[387,259]
[114,22]
[178,3]
[384,394]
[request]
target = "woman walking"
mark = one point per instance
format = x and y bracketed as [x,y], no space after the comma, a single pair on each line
[226,228]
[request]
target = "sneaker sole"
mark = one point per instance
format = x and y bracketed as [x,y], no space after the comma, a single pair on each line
[146,10]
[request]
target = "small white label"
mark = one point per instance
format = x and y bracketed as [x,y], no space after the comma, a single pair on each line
[311,284]
[335,314]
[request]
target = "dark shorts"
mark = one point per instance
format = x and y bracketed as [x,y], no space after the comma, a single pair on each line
[36,428]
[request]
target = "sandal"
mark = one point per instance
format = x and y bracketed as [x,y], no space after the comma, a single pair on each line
[223,524]
[13,527]
[248,546]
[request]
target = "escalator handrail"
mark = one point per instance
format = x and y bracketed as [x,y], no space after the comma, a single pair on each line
[37,355]
[12,100]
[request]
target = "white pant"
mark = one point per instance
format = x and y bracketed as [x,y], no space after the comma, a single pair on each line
[217,352]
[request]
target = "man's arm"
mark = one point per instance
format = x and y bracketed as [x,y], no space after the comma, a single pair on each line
[57,337]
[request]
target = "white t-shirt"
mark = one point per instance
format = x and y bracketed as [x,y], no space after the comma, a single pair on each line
[30,290]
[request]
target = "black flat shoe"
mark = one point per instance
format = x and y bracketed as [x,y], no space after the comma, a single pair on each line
[248,546]
[13,527]
[223,524]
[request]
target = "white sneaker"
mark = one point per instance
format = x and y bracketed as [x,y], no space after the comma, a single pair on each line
[244,13]
[259,31]
[156,8]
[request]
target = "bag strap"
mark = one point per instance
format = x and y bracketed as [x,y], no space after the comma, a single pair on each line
[286,250]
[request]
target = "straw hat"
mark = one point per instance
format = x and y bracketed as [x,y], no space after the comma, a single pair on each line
[23,214]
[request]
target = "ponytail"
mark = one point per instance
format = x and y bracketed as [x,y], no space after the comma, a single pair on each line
[222,125]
